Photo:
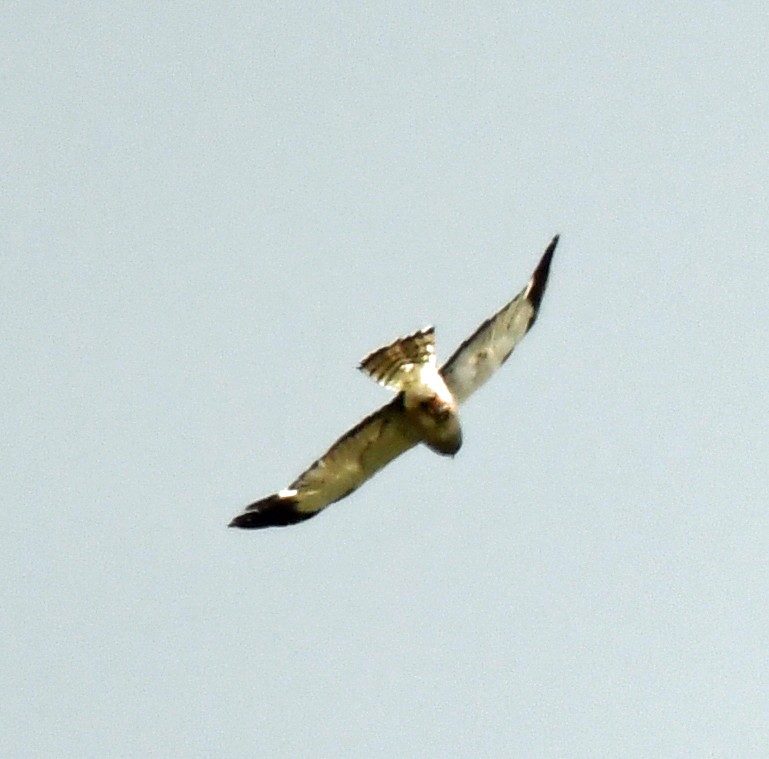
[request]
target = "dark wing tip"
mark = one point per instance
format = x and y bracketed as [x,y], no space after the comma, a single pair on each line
[539,279]
[273,511]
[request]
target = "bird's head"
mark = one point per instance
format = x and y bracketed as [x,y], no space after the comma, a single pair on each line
[437,420]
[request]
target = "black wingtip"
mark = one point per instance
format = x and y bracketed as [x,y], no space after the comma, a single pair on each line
[273,511]
[541,273]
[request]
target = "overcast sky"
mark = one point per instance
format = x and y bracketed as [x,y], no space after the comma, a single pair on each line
[210,213]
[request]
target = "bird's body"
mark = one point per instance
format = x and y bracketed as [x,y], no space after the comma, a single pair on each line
[408,366]
[425,409]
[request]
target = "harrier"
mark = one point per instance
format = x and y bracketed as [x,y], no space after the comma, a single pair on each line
[425,409]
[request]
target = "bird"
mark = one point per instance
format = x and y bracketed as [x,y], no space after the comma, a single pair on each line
[425,409]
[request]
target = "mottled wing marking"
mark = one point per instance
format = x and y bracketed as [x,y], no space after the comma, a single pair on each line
[355,457]
[401,362]
[481,354]
[359,454]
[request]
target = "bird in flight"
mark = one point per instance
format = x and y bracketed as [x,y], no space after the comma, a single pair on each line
[424,410]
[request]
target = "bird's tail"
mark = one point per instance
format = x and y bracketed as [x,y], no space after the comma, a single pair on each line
[399,363]
[277,510]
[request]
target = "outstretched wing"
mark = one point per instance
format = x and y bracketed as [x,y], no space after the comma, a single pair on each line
[478,357]
[358,455]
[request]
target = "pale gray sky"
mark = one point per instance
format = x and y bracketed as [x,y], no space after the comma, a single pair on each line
[209,213]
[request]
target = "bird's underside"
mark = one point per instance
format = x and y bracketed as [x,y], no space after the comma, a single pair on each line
[425,409]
